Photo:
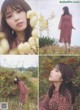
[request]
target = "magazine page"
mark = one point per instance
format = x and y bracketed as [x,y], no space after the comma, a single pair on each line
[19,27]
[19,82]
[59,34]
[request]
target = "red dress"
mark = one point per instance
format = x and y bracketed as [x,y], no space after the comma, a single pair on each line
[16,42]
[65,26]
[57,102]
[23,92]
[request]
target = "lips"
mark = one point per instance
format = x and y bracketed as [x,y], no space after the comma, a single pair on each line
[19,24]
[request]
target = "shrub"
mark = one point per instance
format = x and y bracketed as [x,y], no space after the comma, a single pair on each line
[43,41]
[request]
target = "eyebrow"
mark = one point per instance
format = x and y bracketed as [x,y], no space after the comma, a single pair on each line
[13,8]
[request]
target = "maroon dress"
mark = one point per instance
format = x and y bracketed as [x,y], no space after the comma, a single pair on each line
[65,26]
[16,42]
[57,102]
[23,92]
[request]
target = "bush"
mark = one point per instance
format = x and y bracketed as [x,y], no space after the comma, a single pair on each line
[43,41]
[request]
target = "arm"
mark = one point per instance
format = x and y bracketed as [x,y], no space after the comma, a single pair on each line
[44,105]
[60,23]
[66,103]
[72,23]
[21,87]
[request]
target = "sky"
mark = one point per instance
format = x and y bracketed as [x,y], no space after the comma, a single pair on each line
[46,7]
[19,60]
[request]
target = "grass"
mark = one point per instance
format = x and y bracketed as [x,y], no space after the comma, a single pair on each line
[56,50]
[14,105]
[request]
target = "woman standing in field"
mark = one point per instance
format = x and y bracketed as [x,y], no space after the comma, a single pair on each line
[66,27]
[23,92]
[60,95]
[14,22]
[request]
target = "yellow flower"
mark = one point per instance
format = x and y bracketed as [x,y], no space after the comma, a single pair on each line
[35,33]
[5,45]
[2,35]
[30,14]
[33,21]
[24,48]
[32,41]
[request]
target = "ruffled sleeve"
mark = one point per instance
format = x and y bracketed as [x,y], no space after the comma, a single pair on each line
[45,103]
[65,102]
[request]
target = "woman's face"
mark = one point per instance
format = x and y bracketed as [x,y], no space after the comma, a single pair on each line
[16,19]
[55,75]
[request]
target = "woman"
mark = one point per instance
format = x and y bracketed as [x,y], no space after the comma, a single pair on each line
[23,91]
[60,95]
[14,21]
[66,27]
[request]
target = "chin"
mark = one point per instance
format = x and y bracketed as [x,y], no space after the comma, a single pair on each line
[50,79]
[21,28]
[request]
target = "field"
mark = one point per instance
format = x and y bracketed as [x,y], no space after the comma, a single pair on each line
[56,50]
[32,83]
[47,63]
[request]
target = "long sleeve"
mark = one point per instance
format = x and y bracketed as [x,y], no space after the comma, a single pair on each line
[60,23]
[22,88]
[72,23]
[44,105]
[65,102]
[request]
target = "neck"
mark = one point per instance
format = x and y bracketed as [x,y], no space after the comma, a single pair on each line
[57,85]
[21,35]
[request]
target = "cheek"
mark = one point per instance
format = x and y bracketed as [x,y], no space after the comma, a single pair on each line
[24,17]
[10,22]
[56,76]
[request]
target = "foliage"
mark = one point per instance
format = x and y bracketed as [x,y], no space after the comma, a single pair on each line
[43,41]
[9,91]
[46,65]
[57,50]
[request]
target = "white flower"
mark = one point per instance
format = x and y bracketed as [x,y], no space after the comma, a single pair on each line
[2,35]
[35,33]
[1,50]
[5,45]
[30,14]
[33,21]
[24,48]
[32,41]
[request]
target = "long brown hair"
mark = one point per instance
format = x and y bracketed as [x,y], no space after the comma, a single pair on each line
[14,4]
[67,85]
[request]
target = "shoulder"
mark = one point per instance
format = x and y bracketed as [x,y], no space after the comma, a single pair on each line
[70,15]
[21,82]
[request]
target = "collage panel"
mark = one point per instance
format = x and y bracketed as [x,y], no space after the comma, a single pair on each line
[19,27]
[59,27]
[19,82]
[59,83]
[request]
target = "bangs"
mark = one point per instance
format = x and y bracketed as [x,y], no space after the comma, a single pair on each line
[57,66]
[11,5]
[12,8]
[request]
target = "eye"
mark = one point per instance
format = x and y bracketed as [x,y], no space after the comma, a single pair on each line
[56,70]
[8,16]
[18,10]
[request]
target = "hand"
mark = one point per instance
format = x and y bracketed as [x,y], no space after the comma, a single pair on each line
[73,28]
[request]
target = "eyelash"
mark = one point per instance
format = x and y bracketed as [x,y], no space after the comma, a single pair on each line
[8,16]
[56,70]
[18,11]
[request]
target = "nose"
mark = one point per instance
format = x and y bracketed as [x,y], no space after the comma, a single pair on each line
[16,17]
